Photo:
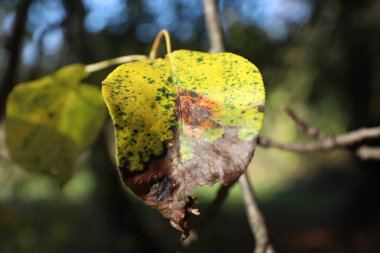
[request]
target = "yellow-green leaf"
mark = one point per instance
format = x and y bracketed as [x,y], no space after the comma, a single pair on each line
[52,120]
[187,120]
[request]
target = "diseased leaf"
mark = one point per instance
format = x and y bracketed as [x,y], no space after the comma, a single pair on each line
[187,120]
[52,120]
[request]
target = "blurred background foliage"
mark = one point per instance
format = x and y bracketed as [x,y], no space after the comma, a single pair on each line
[321,58]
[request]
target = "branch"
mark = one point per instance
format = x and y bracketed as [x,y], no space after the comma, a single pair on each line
[304,127]
[255,218]
[325,142]
[215,205]
[368,153]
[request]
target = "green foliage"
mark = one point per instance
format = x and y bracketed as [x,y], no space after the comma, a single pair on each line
[52,120]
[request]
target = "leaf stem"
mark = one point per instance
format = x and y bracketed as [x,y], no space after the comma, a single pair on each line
[156,43]
[115,61]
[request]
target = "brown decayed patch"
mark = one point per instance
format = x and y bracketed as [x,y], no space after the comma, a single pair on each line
[168,186]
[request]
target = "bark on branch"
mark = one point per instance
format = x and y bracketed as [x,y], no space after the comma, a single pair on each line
[324,142]
[255,218]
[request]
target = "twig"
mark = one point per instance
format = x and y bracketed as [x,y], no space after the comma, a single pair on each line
[213,26]
[368,153]
[340,141]
[325,142]
[304,127]
[255,218]
[115,61]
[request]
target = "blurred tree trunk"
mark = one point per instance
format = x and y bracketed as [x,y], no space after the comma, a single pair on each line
[13,45]
[76,35]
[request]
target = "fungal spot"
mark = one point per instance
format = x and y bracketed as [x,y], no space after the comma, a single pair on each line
[168,106]
[261,108]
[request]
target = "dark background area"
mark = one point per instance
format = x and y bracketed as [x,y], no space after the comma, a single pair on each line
[321,58]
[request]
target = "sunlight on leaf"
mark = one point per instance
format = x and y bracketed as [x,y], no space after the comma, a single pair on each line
[187,120]
[52,120]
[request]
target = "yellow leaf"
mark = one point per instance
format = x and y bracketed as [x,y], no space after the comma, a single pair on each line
[141,100]
[187,120]
[52,120]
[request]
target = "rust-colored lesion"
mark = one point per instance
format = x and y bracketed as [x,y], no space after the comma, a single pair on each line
[195,112]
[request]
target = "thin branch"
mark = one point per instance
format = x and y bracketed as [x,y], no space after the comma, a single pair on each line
[368,153]
[304,127]
[213,26]
[255,218]
[326,142]
[340,141]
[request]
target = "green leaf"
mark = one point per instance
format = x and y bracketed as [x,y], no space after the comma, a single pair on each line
[187,120]
[52,120]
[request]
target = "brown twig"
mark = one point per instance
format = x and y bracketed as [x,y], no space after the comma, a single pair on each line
[340,141]
[255,218]
[368,153]
[325,142]
[304,127]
